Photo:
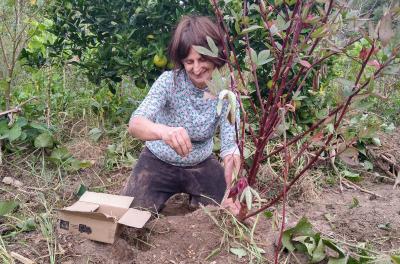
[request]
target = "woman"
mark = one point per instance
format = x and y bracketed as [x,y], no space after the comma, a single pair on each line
[178,120]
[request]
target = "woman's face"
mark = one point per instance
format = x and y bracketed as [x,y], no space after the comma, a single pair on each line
[198,68]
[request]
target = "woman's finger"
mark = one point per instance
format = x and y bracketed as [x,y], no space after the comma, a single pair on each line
[181,145]
[175,145]
[185,141]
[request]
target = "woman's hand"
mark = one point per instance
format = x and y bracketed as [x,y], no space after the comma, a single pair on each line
[178,139]
[231,206]
[231,165]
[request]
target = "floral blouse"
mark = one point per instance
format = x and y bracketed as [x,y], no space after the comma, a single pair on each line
[173,100]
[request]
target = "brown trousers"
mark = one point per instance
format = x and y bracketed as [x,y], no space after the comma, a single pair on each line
[153,182]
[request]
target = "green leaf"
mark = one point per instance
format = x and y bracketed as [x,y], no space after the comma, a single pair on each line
[395,259]
[253,55]
[39,127]
[60,154]
[368,165]
[95,134]
[376,141]
[319,32]
[205,51]
[338,260]
[7,207]
[239,252]
[268,214]
[263,57]
[319,252]
[302,228]
[212,45]
[308,242]
[27,225]
[334,247]
[44,140]
[14,133]
[81,190]
[250,29]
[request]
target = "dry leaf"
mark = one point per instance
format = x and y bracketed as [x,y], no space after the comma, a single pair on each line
[350,156]
[13,182]
[21,258]
[385,31]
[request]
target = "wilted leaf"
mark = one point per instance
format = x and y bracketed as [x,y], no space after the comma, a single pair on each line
[305,63]
[44,140]
[239,252]
[349,156]
[7,207]
[354,203]
[385,31]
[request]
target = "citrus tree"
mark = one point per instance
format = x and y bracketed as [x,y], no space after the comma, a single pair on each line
[111,39]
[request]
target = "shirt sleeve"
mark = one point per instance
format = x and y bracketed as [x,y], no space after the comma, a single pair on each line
[157,97]
[228,133]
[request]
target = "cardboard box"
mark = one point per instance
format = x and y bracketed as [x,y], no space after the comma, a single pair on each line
[98,216]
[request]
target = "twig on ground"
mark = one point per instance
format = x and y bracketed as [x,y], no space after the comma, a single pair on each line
[360,188]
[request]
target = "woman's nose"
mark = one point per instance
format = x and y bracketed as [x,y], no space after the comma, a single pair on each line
[196,68]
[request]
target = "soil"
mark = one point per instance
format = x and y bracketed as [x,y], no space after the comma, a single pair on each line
[179,235]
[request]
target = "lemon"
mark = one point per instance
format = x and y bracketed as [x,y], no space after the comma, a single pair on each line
[160,60]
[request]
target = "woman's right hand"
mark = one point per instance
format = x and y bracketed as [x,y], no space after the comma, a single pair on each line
[178,139]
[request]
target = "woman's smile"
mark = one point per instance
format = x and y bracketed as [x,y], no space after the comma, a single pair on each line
[198,68]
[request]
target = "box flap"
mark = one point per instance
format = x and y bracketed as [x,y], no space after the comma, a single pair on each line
[80,206]
[107,199]
[135,218]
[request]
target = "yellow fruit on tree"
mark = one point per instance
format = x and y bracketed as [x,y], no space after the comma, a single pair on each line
[170,65]
[297,104]
[269,84]
[160,60]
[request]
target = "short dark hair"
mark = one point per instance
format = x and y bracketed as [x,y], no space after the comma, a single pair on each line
[193,30]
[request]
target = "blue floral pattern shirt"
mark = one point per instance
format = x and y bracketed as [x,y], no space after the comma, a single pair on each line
[173,100]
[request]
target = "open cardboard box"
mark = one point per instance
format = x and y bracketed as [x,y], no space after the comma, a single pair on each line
[98,216]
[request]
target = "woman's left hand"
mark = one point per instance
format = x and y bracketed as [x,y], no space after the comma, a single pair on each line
[231,165]
[233,207]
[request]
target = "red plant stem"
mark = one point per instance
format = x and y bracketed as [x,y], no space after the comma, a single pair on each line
[285,175]
[336,125]
[252,64]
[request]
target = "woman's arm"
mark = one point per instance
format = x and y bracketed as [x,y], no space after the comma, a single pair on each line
[176,137]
